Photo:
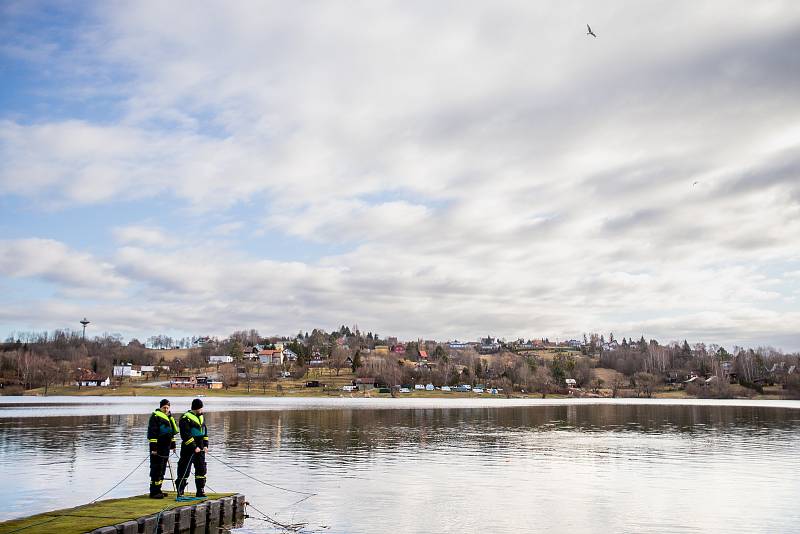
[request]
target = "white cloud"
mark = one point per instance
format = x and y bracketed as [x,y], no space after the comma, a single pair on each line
[54,262]
[488,168]
[142,235]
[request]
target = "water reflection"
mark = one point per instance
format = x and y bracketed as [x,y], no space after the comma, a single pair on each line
[577,468]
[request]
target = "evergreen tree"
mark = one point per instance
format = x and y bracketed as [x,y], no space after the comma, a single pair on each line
[357,361]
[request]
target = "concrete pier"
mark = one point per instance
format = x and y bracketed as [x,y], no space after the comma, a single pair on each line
[206,517]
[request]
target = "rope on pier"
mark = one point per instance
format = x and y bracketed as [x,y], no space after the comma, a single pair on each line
[34,525]
[306,493]
[121,481]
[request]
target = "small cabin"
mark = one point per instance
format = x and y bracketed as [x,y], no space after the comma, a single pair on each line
[183,382]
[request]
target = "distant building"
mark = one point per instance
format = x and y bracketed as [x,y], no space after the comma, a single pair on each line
[365,383]
[271,357]
[570,382]
[87,378]
[223,358]
[183,382]
[289,355]
[381,350]
[126,370]
[317,361]
[488,345]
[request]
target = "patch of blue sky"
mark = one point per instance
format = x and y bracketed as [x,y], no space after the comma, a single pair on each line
[274,245]
[46,75]
[87,228]
[24,290]
[90,228]
[405,195]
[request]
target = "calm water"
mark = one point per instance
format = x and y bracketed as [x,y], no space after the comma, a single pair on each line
[435,465]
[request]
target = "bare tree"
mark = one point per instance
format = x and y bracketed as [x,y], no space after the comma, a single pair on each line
[338,358]
[645,384]
[48,372]
[230,376]
[616,385]
[542,380]
[197,359]
[597,383]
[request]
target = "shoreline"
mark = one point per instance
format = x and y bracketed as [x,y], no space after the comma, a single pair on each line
[28,406]
[298,391]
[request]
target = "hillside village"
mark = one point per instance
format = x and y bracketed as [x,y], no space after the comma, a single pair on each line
[347,361]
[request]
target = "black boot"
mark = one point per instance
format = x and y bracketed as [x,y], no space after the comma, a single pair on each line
[155,491]
[201,484]
[181,487]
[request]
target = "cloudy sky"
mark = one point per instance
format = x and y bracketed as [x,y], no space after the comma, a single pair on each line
[424,169]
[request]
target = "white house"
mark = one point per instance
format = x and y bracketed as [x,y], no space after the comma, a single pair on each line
[271,357]
[87,378]
[571,383]
[126,369]
[220,358]
[289,355]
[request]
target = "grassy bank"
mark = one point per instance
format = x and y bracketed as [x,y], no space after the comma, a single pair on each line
[333,388]
[772,393]
[91,516]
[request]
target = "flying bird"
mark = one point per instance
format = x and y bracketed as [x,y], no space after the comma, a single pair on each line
[696,182]
[590,32]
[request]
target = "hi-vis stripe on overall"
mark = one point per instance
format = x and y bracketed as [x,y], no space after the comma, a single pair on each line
[194,435]
[161,431]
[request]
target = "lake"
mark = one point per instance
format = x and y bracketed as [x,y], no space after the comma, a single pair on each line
[434,465]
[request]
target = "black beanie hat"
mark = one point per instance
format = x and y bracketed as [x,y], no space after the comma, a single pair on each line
[163,403]
[197,404]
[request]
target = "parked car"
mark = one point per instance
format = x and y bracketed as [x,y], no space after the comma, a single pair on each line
[419,387]
[313,384]
[445,388]
[429,387]
[349,388]
[477,390]
[405,390]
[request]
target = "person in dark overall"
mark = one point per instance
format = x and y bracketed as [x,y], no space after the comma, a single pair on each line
[161,430]
[194,445]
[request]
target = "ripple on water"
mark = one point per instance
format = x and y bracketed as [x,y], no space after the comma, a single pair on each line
[579,467]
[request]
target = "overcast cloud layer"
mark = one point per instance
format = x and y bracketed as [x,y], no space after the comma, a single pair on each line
[425,169]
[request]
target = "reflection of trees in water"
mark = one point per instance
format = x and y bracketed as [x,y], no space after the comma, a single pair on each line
[359,431]
[62,442]
[355,432]
[99,434]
